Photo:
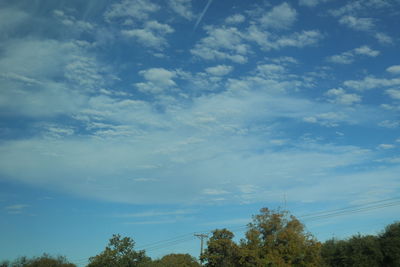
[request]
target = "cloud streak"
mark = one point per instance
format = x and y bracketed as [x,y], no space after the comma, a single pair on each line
[200,18]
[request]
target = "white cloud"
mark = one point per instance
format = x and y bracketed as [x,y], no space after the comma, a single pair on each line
[280,17]
[152,35]
[349,56]
[310,119]
[311,3]
[371,82]
[222,43]
[191,168]
[159,76]
[157,80]
[360,24]
[268,41]
[341,97]
[29,68]
[301,39]
[182,8]
[357,6]
[134,9]
[343,58]
[367,51]
[393,93]
[19,78]
[235,19]
[271,71]
[395,69]
[386,146]
[248,188]
[220,70]
[72,22]
[389,124]
[213,191]
[383,38]
[85,72]
[17,208]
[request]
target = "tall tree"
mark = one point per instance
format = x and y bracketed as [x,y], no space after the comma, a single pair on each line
[275,238]
[221,250]
[119,253]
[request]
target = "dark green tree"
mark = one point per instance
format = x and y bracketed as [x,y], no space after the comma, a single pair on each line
[390,245]
[44,261]
[334,253]
[364,251]
[173,260]
[221,250]
[119,253]
[356,251]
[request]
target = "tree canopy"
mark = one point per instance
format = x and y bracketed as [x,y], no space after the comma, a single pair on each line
[119,253]
[274,238]
[173,260]
[43,261]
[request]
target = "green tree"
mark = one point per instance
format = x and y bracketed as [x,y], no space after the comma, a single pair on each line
[221,250]
[119,253]
[44,261]
[334,253]
[251,249]
[275,238]
[390,245]
[364,251]
[173,260]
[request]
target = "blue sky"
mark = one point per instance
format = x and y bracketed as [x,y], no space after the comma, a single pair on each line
[155,119]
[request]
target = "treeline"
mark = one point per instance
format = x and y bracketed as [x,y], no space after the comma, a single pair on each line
[273,238]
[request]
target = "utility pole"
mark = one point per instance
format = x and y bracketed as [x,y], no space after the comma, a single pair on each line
[201,236]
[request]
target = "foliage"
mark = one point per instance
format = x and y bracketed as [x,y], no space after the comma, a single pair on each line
[356,251]
[221,250]
[119,253]
[382,250]
[390,245]
[276,239]
[273,239]
[173,260]
[44,261]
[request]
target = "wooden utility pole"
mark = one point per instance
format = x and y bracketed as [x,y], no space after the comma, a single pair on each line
[201,236]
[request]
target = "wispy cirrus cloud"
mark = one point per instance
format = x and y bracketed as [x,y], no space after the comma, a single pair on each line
[16,208]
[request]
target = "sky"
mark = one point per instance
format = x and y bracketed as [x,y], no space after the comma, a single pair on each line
[157,119]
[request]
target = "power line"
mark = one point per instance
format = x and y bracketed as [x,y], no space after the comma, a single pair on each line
[307,217]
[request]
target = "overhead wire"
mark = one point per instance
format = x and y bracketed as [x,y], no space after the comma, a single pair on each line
[306,217]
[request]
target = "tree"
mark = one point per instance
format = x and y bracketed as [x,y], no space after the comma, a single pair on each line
[44,261]
[364,251]
[390,245]
[173,260]
[275,238]
[251,250]
[334,253]
[119,253]
[221,250]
